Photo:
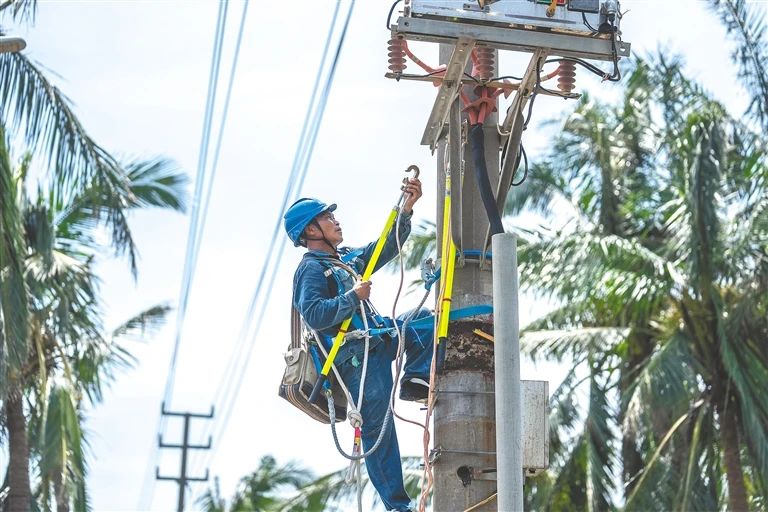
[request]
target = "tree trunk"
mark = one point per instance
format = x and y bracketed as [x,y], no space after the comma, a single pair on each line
[62,498]
[729,437]
[640,347]
[20,493]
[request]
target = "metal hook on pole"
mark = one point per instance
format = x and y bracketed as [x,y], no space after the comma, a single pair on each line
[415,170]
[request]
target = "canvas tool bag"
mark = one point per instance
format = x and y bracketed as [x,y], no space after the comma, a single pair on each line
[301,375]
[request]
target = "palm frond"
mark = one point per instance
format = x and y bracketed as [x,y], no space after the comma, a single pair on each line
[570,344]
[211,500]
[600,442]
[538,192]
[421,244]
[19,10]
[704,153]
[746,25]
[331,492]
[665,384]
[146,322]
[643,485]
[41,114]
[156,183]
[564,413]
[569,491]
[746,366]
[13,292]
[618,274]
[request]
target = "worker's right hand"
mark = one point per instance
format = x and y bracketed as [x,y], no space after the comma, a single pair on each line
[363,289]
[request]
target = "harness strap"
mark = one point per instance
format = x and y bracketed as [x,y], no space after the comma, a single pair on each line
[425,322]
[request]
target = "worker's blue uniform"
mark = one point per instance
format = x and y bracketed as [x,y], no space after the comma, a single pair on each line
[325,300]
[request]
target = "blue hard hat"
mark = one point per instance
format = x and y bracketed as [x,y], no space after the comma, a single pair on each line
[300,214]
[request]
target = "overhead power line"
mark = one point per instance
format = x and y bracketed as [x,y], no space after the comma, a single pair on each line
[147,490]
[229,388]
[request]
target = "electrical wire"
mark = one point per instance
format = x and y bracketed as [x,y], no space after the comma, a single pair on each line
[530,109]
[302,163]
[293,186]
[525,174]
[147,490]
[586,24]
[389,16]
[510,77]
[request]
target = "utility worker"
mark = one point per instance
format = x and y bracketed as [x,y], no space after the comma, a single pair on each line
[327,291]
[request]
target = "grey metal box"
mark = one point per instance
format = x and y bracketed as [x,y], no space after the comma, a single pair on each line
[592,6]
[535,425]
[526,13]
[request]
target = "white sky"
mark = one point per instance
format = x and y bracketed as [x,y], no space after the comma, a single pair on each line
[137,73]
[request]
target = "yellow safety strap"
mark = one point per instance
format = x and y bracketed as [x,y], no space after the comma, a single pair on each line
[448,254]
[366,276]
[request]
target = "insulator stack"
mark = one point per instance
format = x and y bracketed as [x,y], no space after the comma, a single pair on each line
[485,63]
[566,81]
[396,55]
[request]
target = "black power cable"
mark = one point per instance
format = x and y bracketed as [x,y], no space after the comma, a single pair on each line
[586,24]
[389,16]
[525,173]
[477,143]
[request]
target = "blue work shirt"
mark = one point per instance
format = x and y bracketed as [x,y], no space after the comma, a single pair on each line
[320,309]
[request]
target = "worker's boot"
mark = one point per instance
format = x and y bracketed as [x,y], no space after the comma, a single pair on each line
[414,389]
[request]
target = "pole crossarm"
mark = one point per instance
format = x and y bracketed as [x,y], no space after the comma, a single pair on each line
[183,479]
[563,44]
[206,446]
[178,480]
[166,412]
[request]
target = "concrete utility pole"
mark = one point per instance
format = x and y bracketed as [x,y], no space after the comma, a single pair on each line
[182,479]
[464,421]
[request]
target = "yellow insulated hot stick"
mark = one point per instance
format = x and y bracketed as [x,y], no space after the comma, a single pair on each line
[366,276]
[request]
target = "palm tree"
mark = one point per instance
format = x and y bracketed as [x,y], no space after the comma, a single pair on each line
[668,311]
[259,490]
[65,353]
[75,380]
[747,26]
[35,110]
[661,272]
[13,331]
[290,488]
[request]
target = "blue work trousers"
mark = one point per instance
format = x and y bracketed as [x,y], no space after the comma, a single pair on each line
[384,465]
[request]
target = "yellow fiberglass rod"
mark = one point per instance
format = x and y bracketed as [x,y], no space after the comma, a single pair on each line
[369,268]
[448,263]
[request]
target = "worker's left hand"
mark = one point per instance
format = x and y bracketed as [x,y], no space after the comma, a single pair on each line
[413,193]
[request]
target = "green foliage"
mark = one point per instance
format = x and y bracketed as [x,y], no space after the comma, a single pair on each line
[746,25]
[290,488]
[661,274]
[13,291]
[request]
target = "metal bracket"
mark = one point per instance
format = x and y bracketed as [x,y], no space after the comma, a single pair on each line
[455,151]
[462,392]
[449,91]
[438,451]
[513,126]
[468,473]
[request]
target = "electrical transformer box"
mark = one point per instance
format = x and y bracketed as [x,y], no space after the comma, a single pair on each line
[581,16]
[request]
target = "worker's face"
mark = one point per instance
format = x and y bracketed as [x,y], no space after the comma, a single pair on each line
[330,227]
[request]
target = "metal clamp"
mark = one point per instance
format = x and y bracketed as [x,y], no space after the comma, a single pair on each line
[438,451]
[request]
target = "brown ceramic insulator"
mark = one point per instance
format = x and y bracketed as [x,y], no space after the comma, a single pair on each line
[566,80]
[396,55]
[485,63]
